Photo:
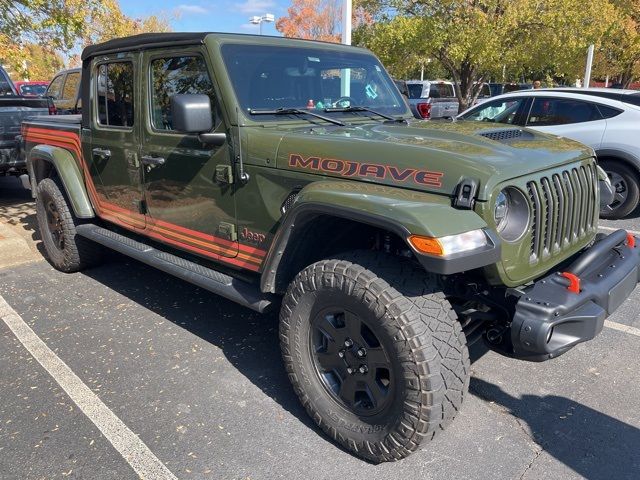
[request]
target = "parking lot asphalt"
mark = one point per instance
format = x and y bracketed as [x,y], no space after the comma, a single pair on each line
[199,381]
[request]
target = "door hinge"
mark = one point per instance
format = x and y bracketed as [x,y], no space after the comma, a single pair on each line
[228,231]
[224,174]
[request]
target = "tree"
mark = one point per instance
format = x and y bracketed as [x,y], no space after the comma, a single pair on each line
[318,20]
[108,22]
[620,56]
[53,22]
[476,39]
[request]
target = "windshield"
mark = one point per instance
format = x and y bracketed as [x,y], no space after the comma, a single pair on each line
[267,77]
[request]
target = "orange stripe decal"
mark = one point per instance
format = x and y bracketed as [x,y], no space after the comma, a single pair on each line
[192,240]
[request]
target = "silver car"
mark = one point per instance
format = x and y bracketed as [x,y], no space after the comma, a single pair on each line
[607,120]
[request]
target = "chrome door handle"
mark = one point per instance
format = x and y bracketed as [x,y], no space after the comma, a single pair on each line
[101,153]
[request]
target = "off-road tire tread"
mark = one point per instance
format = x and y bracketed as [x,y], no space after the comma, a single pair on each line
[78,253]
[434,351]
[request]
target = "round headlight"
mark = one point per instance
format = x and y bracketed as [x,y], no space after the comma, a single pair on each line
[501,210]
[511,214]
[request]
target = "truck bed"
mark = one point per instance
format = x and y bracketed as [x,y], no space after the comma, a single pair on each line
[13,111]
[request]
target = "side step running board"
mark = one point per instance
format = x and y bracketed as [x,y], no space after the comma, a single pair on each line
[219,283]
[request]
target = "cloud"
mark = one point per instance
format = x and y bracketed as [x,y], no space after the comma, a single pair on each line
[250,27]
[254,6]
[191,9]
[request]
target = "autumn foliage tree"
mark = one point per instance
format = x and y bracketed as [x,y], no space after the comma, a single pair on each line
[318,20]
[33,33]
[475,40]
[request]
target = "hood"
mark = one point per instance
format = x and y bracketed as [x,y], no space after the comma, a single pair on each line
[426,156]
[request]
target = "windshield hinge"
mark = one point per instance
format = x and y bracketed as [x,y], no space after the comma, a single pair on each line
[465,194]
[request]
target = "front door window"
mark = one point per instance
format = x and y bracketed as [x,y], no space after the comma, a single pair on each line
[499,111]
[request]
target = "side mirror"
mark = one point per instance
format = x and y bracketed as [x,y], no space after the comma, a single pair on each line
[191,113]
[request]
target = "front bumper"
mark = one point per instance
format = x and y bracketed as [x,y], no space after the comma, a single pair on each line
[569,307]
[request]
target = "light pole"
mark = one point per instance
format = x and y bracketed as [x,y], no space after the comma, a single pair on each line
[259,20]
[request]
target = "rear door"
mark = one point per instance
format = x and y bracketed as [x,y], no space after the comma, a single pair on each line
[115,141]
[575,119]
[189,203]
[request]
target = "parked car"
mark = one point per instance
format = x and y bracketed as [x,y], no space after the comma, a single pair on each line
[13,109]
[431,99]
[389,244]
[606,120]
[64,90]
[31,89]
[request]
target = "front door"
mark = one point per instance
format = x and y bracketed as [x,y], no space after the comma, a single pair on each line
[189,205]
[113,159]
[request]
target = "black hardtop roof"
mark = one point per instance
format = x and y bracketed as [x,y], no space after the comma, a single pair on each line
[142,40]
[145,40]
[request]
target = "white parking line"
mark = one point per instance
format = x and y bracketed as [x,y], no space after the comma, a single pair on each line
[623,328]
[612,229]
[127,443]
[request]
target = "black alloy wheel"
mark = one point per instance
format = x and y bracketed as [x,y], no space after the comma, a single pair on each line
[351,362]
[54,222]
[626,191]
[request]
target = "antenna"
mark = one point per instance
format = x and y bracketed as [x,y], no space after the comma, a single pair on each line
[244,176]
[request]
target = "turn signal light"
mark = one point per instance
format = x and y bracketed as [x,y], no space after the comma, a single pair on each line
[428,245]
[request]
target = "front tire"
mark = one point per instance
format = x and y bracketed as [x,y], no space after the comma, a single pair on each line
[624,180]
[65,250]
[374,352]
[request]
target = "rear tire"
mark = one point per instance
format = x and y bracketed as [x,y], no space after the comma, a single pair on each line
[65,250]
[626,190]
[416,356]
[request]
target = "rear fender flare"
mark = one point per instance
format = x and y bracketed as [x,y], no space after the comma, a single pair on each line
[42,158]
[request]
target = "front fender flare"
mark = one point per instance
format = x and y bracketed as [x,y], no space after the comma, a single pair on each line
[67,169]
[403,212]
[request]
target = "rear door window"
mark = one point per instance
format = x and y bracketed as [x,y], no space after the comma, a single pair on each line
[115,94]
[561,111]
[55,88]
[608,112]
[70,89]
[441,90]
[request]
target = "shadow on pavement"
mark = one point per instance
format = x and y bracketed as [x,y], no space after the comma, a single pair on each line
[591,443]
[248,339]
[17,208]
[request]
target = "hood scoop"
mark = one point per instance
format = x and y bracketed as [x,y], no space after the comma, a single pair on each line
[507,135]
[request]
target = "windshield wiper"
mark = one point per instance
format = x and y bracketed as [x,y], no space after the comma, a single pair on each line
[359,108]
[295,111]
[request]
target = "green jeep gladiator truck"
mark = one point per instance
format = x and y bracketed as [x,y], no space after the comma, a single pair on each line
[291,174]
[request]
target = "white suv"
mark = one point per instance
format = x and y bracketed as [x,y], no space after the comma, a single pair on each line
[607,120]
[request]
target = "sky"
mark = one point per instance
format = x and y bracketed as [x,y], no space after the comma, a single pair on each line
[210,15]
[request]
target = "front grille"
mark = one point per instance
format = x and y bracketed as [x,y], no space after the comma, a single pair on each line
[564,209]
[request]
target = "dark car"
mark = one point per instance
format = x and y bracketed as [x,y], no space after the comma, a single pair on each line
[64,90]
